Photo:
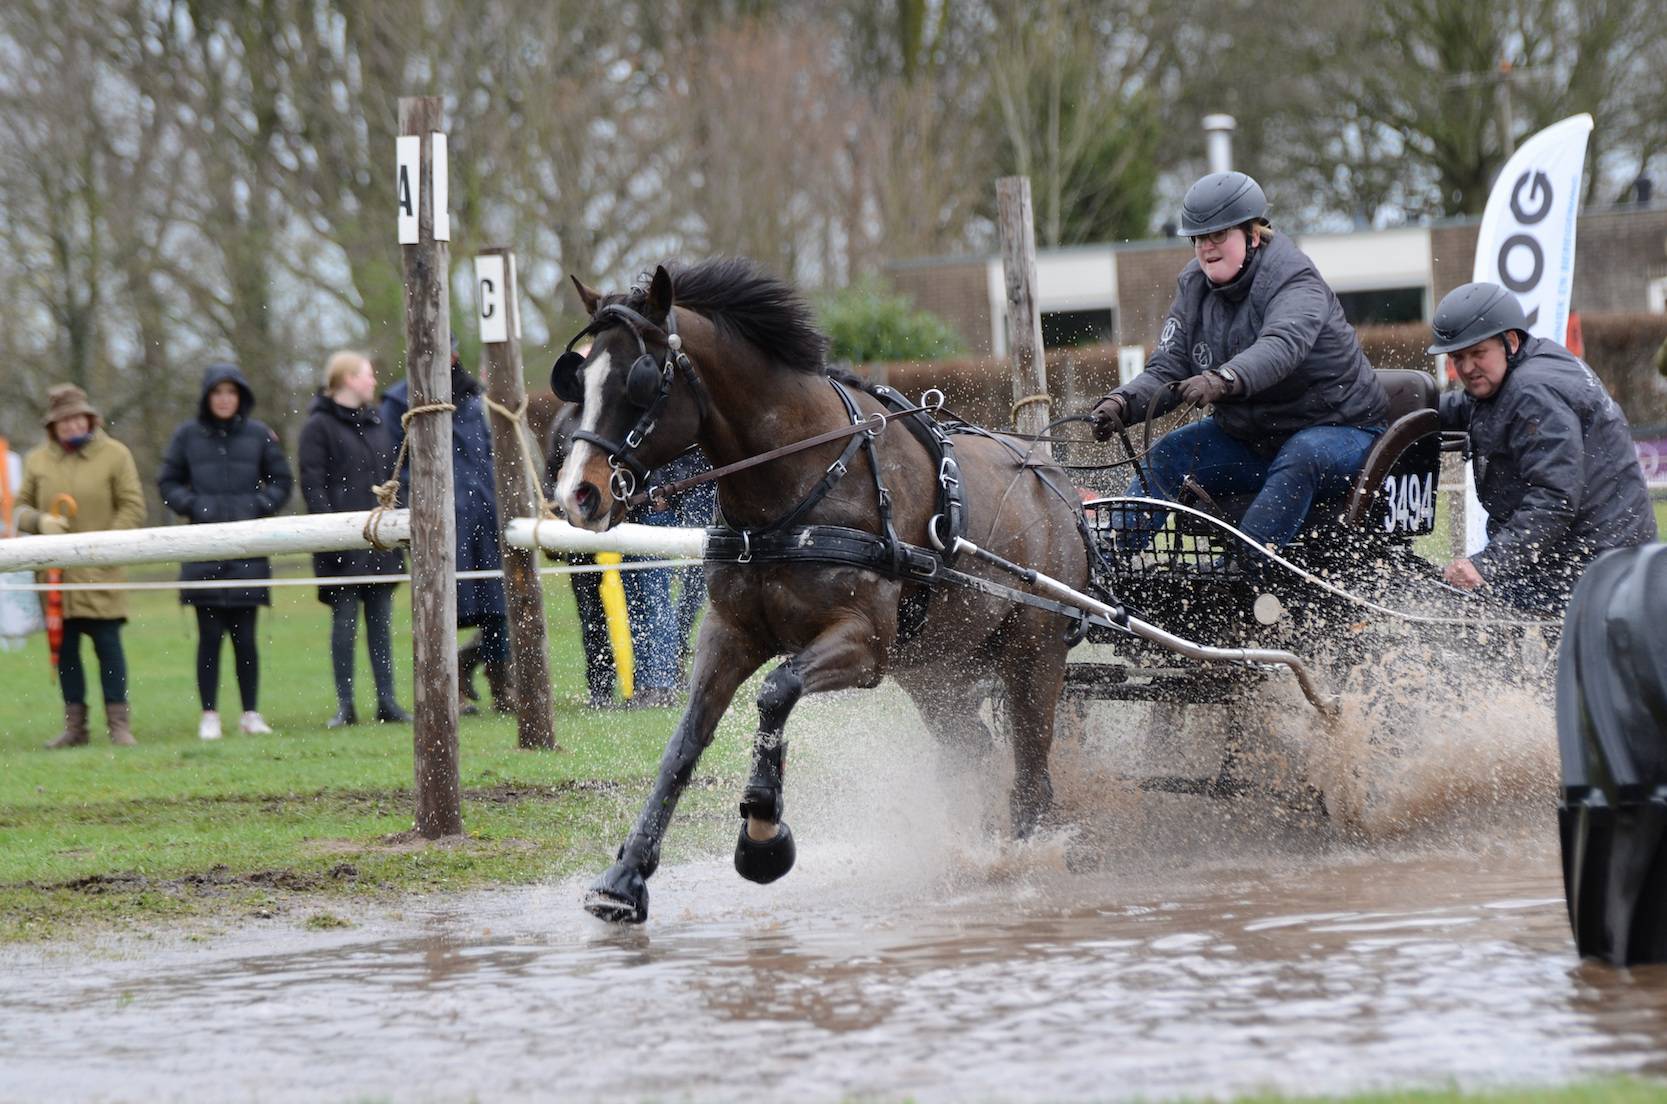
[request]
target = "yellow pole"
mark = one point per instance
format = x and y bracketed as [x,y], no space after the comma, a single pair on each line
[619,623]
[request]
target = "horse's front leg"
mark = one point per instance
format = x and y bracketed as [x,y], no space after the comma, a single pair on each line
[848,654]
[1034,676]
[724,659]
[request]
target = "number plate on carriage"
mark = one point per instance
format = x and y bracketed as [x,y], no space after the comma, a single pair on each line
[1409,503]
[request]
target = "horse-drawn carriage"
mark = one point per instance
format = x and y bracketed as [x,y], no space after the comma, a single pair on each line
[954,559]
[1350,591]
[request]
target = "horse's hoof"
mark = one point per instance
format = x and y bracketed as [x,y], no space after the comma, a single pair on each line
[619,896]
[763,861]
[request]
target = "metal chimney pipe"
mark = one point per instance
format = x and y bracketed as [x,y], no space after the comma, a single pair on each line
[1218,141]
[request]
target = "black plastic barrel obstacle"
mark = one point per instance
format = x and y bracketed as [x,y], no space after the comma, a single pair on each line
[1612,736]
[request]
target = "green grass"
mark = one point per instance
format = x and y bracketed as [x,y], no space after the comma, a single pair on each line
[1607,1091]
[179,828]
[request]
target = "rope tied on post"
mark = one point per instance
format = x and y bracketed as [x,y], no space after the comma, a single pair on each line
[1040,397]
[518,418]
[387,491]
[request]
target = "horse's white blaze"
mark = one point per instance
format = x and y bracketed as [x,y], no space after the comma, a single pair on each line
[580,454]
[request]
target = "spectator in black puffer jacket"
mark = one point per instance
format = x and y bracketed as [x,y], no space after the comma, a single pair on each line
[345,450]
[226,466]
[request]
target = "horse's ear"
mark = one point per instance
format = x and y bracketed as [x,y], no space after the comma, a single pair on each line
[590,297]
[659,295]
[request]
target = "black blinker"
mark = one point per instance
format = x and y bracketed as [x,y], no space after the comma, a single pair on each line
[642,385]
[564,377]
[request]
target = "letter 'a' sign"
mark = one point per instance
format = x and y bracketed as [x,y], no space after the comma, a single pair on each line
[408,151]
[493,298]
[409,148]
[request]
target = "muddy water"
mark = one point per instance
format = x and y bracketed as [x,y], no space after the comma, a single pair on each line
[1158,947]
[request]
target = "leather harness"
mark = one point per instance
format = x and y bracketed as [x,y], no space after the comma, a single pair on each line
[784,540]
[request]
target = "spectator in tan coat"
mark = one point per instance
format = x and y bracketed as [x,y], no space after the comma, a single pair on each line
[80,480]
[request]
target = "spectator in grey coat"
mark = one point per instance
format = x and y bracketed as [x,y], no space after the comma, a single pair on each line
[1255,331]
[224,465]
[1555,466]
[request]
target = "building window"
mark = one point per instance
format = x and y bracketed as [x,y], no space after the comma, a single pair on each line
[1072,329]
[1382,306]
[1655,293]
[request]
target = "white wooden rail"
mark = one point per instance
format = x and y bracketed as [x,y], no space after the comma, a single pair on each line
[317,533]
[632,540]
[184,543]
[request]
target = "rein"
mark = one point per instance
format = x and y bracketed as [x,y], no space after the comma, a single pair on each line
[873,425]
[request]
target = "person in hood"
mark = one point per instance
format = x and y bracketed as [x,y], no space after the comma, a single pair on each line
[480,602]
[345,451]
[81,480]
[224,465]
[1257,334]
[1553,456]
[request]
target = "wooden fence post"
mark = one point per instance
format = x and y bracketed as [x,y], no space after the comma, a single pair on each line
[424,233]
[1024,319]
[499,308]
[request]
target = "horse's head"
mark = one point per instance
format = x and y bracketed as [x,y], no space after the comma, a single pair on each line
[640,400]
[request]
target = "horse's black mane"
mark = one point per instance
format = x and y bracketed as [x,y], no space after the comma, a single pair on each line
[739,296]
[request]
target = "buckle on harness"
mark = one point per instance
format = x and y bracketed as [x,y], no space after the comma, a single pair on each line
[948,473]
[921,564]
[746,548]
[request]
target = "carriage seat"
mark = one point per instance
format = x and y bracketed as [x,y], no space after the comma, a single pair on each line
[1413,415]
[1409,390]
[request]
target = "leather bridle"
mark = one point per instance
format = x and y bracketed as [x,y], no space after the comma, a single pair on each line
[648,386]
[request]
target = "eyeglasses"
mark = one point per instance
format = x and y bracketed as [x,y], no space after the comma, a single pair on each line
[1214,237]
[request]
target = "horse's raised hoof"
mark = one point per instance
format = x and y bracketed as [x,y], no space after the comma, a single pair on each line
[619,896]
[763,861]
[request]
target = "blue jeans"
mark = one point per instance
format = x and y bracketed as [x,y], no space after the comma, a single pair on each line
[655,643]
[1317,463]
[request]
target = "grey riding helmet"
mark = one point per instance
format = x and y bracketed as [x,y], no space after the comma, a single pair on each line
[1474,312]
[1219,201]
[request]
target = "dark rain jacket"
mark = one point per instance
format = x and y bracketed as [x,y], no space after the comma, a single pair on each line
[1555,468]
[231,470]
[1282,331]
[344,452]
[475,496]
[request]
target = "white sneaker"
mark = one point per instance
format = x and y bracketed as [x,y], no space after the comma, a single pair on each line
[209,727]
[253,724]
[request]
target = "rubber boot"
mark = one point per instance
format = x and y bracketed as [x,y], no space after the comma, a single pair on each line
[119,715]
[389,711]
[468,658]
[75,728]
[501,678]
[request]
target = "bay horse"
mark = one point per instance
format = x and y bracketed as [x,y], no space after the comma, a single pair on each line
[723,355]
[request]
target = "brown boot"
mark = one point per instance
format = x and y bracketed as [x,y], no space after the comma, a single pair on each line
[75,728]
[119,715]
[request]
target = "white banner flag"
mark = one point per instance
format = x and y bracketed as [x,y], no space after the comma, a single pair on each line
[1526,244]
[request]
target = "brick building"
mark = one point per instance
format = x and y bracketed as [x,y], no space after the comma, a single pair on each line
[1119,293]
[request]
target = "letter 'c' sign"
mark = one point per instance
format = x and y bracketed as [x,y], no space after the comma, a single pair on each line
[492,297]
